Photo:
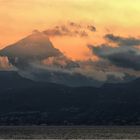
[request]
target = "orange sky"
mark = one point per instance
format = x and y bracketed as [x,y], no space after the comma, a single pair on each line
[20,17]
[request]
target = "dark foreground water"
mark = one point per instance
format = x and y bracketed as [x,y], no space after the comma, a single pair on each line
[95,132]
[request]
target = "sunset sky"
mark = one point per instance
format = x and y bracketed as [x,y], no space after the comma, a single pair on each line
[69,62]
[20,17]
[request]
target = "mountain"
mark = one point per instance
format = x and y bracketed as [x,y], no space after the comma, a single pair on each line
[12,81]
[36,46]
[29,102]
[35,58]
[57,95]
[12,78]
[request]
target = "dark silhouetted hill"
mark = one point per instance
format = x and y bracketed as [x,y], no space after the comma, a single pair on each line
[24,102]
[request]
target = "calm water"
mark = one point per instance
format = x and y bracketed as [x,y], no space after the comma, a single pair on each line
[96,132]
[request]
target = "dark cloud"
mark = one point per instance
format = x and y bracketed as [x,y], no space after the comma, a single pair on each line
[92,28]
[128,59]
[59,31]
[70,29]
[102,50]
[54,32]
[73,24]
[125,54]
[122,41]
[65,31]
[121,56]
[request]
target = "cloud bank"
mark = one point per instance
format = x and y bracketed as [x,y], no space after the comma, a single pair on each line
[124,57]
[5,65]
[125,54]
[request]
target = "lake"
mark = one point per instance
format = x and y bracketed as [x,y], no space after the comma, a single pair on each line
[69,132]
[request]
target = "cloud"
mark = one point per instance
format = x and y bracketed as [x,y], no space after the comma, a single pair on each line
[103,70]
[60,62]
[65,31]
[59,75]
[5,65]
[73,24]
[92,28]
[122,41]
[125,54]
[120,77]
[71,29]
[59,31]
[128,59]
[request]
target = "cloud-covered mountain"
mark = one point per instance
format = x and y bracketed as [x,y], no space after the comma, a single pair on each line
[36,58]
[34,47]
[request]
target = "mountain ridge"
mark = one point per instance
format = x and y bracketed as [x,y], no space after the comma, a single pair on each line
[59,105]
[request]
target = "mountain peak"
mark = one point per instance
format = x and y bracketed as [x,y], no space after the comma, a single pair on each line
[37,36]
[36,46]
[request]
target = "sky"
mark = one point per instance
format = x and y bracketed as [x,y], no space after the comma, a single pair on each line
[20,17]
[99,39]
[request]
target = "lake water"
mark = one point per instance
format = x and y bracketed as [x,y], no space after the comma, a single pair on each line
[71,132]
